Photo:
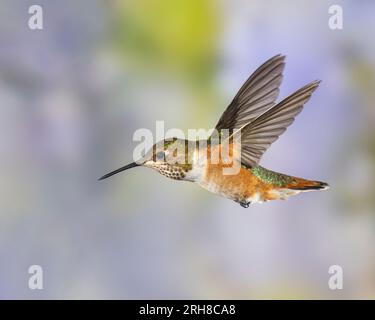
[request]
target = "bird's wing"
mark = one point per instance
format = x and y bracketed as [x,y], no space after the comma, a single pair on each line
[256,95]
[260,133]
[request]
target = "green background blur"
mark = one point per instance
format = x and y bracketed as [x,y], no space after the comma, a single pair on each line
[72,95]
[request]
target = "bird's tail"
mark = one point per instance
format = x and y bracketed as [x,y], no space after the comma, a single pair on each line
[306,185]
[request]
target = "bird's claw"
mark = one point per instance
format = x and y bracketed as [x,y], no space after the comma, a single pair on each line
[245,204]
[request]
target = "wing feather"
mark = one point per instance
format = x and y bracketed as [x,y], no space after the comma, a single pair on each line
[256,95]
[260,133]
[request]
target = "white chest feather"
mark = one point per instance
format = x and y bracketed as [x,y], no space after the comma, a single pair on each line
[198,168]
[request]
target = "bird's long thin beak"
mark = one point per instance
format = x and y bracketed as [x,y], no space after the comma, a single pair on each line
[128,166]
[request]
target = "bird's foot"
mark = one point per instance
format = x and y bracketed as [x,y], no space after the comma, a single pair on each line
[245,204]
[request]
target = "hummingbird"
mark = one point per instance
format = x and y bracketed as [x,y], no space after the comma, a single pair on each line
[258,121]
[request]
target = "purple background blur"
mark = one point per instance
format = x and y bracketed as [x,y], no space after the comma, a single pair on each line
[72,95]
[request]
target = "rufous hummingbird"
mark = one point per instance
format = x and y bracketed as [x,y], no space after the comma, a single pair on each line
[254,117]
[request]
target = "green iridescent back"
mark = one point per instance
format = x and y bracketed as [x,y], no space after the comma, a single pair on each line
[271,177]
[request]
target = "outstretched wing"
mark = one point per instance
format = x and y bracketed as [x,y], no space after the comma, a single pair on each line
[257,94]
[260,133]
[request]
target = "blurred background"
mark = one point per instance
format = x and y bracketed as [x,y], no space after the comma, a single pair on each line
[73,94]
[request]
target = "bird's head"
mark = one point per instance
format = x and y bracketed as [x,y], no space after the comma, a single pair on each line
[172,158]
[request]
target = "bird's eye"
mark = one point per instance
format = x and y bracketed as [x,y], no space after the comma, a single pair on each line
[160,155]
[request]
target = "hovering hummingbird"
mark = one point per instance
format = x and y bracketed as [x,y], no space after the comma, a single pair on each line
[258,120]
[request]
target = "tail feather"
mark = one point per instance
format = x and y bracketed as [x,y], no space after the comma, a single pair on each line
[305,185]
